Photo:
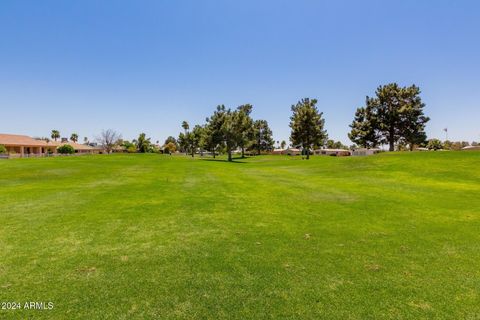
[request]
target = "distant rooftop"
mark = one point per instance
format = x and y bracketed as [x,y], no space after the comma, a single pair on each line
[22,140]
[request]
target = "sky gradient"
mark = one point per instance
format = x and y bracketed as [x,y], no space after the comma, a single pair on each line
[145,66]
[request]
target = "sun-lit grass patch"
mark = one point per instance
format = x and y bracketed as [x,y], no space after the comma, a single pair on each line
[393,236]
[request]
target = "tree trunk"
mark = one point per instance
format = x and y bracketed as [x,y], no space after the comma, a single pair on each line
[392,139]
[193,152]
[213,151]
[243,152]
[229,155]
[308,154]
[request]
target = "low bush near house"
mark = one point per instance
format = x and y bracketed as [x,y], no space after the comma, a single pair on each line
[66,149]
[132,149]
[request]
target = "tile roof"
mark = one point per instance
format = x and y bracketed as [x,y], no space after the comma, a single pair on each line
[19,140]
[76,146]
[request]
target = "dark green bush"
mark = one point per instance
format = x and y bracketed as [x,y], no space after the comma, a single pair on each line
[435,144]
[2,149]
[66,149]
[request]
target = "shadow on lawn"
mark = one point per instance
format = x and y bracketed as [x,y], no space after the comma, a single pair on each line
[234,160]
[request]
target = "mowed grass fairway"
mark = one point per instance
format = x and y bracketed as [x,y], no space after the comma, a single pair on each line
[393,236]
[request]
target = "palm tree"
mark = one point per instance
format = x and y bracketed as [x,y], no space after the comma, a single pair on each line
[55,134]
[85,140]
[185,126]
[143,143]
[74,137]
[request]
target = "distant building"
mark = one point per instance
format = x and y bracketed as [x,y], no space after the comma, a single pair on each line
[471,148]
[365,151]
[279,151]
[288,151]
[25,146]
[333,152]
[293,151]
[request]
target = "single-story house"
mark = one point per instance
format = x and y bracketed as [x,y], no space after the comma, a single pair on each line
[78,147]
[333,152]
[293,151]
[471,148]
[119,149]
[288,151]
[25,146]
[279,151]
[365,151]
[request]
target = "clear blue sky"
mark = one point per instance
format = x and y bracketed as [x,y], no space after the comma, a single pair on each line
[83,66]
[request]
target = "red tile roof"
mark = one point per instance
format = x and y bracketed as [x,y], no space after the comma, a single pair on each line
[26,141]
[76,146]
[19,140]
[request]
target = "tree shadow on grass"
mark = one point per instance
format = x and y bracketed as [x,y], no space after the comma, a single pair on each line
[234,160]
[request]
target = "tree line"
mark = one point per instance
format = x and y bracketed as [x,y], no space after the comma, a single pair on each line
[225,131]
[393,116]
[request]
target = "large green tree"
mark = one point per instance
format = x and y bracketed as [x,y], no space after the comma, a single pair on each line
[213,130]
[229,131]
[183,142]
[223,129]
[203,139]
[399,112]
[194,138]
[244,126]
[394,116]
[143,143]
[413,120]
[365,127]
[211,139]
[262,136]
[307,125]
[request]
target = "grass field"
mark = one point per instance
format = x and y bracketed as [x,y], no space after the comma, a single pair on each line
[393,236]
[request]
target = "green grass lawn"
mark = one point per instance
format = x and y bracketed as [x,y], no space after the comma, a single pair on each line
[393,236]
